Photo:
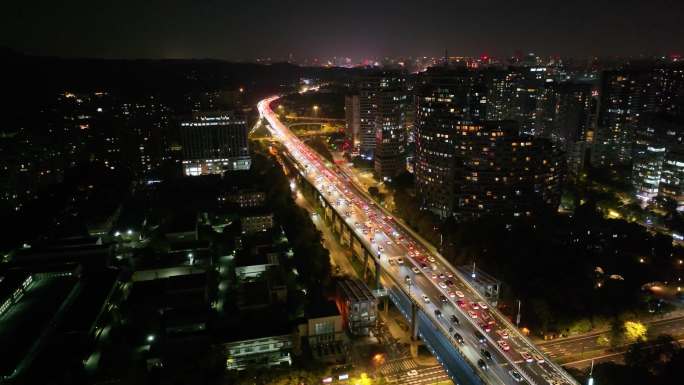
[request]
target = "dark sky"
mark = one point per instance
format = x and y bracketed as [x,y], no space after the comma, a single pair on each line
[244,30]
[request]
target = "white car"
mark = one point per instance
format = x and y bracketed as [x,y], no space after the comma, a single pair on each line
[412,373]
[426,298]
[415,270]
[442,285]
[459,294]
[526,356]
[400,260]
[482,305]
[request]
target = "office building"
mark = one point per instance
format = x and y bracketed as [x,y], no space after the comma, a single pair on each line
[214,143]
[671,186]
[656,147]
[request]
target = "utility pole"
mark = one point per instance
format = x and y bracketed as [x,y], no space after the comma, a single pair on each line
[517,319]
[590,381]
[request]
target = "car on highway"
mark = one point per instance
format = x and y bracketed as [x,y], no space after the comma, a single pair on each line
[412,373]
[487,317]
[431,258]
[474,305]
[438,313]
[426,299]
[400,260]
[503,345]
[472,314]
[454,320]
[482,305]
[415,270]
[538,358]
[484,326]
[480,337]
[459,294]
[461,303]
[458,338]
[482,364]
[486,354]
[442,285]
[526,356]
[516,376]
[443,299]
[503,333]
[452,294]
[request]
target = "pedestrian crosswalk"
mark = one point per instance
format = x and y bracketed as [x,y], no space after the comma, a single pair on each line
[406,371]
[400,365]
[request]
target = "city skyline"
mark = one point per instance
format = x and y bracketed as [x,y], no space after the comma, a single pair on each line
[247,31]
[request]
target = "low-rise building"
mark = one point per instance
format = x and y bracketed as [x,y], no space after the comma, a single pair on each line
[358,306]
[324,333]
[255,220]
[255,341]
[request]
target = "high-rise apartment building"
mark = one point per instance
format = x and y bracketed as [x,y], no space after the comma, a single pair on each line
[390,131]
[352,114]
[369,88]
[214,143]
[499,172]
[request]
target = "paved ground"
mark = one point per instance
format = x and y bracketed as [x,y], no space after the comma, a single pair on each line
[338,253]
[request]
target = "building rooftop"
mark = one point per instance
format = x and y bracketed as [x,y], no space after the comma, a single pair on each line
[23,324]
[323,309]
[355,290]
[255,324]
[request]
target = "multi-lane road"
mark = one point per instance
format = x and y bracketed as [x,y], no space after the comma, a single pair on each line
[495,349]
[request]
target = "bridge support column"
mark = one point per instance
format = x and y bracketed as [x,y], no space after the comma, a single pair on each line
[414,331]
[386,305]
[377,273]
[365,264]
[414,322]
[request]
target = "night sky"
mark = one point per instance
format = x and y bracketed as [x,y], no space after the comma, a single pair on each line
[245,30]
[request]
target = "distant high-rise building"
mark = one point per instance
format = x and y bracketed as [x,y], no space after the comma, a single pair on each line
[657,144]
[672,177]
[214,143]
[565,115]
[625,96]
[352,114]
